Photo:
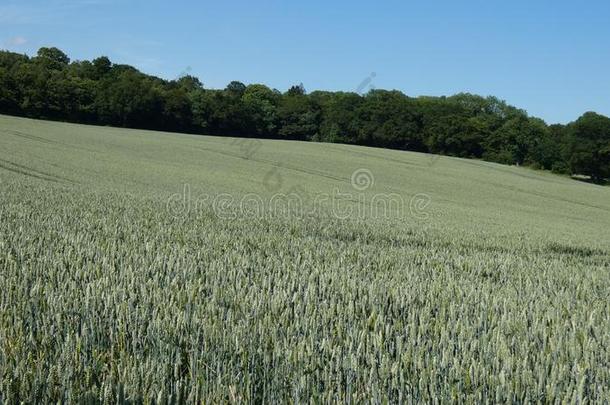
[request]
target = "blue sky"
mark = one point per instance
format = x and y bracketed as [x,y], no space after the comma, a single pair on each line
[551,58]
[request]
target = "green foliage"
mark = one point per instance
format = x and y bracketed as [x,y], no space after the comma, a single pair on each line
[190,83]
[456,136]
[236,89]
[591,146]
[499,295]
[52,58]
[388,119]
[298,90]
[129,98]
[102,66]
[515,140]
[261,104]
[298,116]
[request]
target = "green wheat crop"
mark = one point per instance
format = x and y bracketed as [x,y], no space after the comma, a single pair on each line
[497,290]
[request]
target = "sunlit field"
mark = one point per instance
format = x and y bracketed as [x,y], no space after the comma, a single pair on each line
[155,267]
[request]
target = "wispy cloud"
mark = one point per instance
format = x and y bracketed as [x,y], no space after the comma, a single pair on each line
[15,42]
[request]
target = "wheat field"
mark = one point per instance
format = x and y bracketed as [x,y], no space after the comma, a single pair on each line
[148,267]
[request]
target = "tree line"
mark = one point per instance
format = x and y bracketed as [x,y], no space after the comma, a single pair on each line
[50,86]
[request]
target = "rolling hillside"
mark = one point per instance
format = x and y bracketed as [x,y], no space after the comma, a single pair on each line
[463,193]
[144,265]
